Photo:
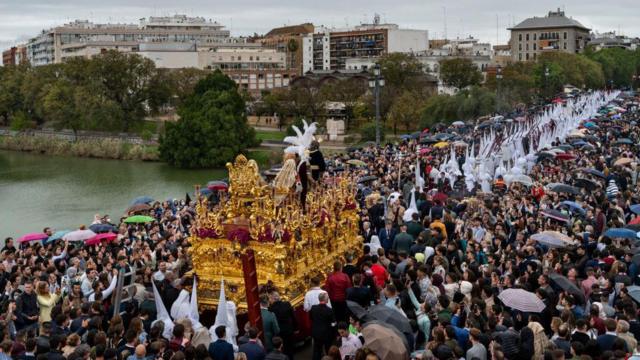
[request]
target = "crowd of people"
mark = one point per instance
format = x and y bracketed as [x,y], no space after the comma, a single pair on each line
[438,261]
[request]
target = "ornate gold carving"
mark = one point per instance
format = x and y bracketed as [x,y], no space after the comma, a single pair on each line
[290,246]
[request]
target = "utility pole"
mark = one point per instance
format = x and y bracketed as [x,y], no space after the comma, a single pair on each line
[375,83]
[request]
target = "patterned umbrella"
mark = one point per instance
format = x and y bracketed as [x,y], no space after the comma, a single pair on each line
[521,300]
[79,235]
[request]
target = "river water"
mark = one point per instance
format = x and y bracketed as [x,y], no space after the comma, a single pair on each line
[63,192]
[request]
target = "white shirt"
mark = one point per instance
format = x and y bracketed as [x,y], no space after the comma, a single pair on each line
[106,292]
[311,298]
[350,345]
[158,275]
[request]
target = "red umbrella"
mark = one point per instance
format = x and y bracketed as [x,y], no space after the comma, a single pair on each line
[565,156]
[108,237]
[557,101]
[440,197]
[217,186]
[425,151]
[32,237]
[634,221]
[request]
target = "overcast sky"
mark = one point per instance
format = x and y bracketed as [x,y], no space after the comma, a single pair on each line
[21,19]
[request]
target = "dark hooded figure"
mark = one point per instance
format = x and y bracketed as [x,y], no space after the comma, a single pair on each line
[316,160]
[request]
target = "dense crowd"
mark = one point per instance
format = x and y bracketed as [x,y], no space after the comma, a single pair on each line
[439,261]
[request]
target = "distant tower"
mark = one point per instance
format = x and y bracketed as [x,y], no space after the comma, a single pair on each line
[376,19]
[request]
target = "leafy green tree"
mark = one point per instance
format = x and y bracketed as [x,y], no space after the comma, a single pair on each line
[11,101]
[127,80]
[368,132]
[459,73]
[406,111]
[212,128]
[619,65]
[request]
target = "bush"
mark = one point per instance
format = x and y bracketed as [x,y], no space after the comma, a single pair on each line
[368,132]
[20,122]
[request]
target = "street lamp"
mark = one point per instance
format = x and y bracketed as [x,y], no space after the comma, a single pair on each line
[498,80]
[376,82]
[546,76]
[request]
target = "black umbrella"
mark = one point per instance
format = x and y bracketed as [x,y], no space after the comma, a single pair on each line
[381,313]
[545,155]
[428,140]
[102,228]
[564,188]
[623,141]
[565,284]
[594,172]
[585,184]
[367,178]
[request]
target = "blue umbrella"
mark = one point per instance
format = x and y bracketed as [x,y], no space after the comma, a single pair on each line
[102,228]
[635,209]
[415,135]
[621,233]
[405,137]
[579,143]
[142,200]
[594,172]
[624,141]
[574,206]
[57,236]
[590,125]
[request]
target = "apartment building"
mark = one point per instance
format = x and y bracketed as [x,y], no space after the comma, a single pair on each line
[552,33]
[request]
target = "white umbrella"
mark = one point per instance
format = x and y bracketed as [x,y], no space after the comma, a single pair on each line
[552,239]
[79,235]
[522,300]
[523,179]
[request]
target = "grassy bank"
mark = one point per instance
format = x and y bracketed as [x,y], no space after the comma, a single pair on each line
[92,148]
[270,135]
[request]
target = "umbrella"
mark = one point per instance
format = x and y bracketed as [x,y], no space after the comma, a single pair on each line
[138,207]
[588,147]
[552,239]
[440,197]
[32,237]
[442,136]
[98,238]
[425,150]
[623,161]
[385,341]
[564,188]
[564,147]
[79,235]
[579,143]
[388,316]
[441,144]
[634,227]
[367,178]
[590,125]
[522,179]
[521,300]
[635,209]
[205,192]
[621,233]
[457,123]
[565,156]
[623,141]
[545,155]
[635,221]
[217,185]
[594,172]
[142,200]
[101,228]
[555,214]
[565,284]
[634,293]
[356,162]
[574,206]
[460,143]
[138,219]
[57,236]
[585,184]
[415,135]
[428,140]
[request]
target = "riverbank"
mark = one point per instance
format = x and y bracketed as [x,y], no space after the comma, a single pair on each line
[109,148]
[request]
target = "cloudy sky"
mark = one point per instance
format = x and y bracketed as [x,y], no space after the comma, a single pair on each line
[20,19]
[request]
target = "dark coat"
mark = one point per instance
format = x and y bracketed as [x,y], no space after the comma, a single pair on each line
[253,351]
[221,350]
[285,316]
[322,319]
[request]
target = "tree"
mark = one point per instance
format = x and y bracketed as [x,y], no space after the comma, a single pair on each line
[459,73]
[212,128]
[618,65]
[405,111]
[128,80]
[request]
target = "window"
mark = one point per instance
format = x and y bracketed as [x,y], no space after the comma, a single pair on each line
[564,45]
[520,47]
[534,56]
[527,46]
[527,57]
[520,37]
[520,57]
[565,35]
[527,37]
[534,46]
[535,36]
[250,58]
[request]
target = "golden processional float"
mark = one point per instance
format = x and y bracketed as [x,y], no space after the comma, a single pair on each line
[259,233]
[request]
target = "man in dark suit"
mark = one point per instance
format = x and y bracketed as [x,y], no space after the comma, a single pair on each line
[367,232]
[322,321]
[286,321]
[605,341]
[387,235]
[221,349]
[252,349]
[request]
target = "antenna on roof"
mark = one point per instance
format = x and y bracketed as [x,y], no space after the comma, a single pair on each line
[497,35]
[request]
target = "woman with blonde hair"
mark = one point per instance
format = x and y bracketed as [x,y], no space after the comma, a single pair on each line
[73,341]
[46,301]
